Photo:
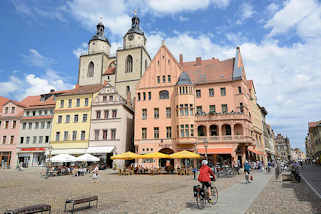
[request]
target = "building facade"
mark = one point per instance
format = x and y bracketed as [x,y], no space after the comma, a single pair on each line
[200,106]
[123,70]
[314,144]
[282,148]
[71,122]
[10,116]
[111,129]
[35,129]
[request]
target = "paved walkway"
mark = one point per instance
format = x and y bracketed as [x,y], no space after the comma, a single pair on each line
[236,199]
[311,174]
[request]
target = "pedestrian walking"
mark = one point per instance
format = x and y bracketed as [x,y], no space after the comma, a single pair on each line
[247,169]
[194,172]
[277,171]
[95,174]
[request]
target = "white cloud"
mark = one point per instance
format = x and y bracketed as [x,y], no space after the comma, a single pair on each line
[272,8]
[34,58]
[81,50]
[183,18]
[32,84]
[296,12]
[247,11]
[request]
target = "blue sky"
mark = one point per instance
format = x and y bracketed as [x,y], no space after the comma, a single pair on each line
[280,43]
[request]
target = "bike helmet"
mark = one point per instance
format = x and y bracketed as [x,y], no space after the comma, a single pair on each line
[204,162]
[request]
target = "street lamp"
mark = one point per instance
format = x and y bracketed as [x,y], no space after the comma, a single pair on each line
[49,161]
[206,145]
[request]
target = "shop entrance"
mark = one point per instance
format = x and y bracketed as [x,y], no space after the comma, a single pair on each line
[5,160]
[166,162]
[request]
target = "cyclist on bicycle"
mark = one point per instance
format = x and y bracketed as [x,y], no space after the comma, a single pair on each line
[204,176]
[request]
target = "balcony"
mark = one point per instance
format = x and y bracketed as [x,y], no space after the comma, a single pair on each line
[221,116]
[226,139]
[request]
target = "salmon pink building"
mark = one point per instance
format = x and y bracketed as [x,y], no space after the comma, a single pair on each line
[200,106]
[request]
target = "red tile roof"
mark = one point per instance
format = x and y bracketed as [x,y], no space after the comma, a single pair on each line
[87,89]
[110,71]
[211,70]
[32,101]
[314,124]
[3,100]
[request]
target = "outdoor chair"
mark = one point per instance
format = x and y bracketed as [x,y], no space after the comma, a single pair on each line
[120,172]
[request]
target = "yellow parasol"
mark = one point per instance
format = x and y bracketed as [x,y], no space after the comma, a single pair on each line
[154,155]
[184,154]
[126,156]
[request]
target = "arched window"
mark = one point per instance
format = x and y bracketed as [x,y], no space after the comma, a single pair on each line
[163,94]
[90,69]
[146,64]
[129,64]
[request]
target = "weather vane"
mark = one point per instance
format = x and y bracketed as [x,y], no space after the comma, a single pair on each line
[135,12]
[100,18]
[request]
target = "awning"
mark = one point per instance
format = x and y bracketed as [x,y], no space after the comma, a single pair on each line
[67,151]
[256,151]
[100,149]
[216,150]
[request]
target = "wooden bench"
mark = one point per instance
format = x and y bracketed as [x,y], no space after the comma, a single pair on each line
[81,201]
[39,208]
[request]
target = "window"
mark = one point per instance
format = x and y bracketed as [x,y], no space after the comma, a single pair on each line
[191,109]
[24,125]
[113,134]
[129,64]
[224,108]
[68,118]
[186,130]
[156,113]
[182,130]
[98,113]
[29,125]
[7,124]
[104,98]
[11,139]
[111,98]
[74,135]
[28,140]
[97,134]
[47,139]
[241,107]
[84,118]
[144,114]
[212,108]
[27,113]
[43,124]
[34,113]
[158,79]
[114,113]
[14,124]
[127,89]
[144,133]
[239,89]
[78,102]
[82,136]
[198,93]
[57,136]
[149,95]
[62,103]
[144,95]
[76,118]
[106,114]
[223,92]
[13,109]
[7,110]
[164,79]
[105,134]
[40,139]
[46,112]
[168,132]
[199,110]
[211,92]
[138,96]
[40,112]
[59,119]
[48,125]
[21,140]
[168,112]
[156,132]
[4,139]
[181,110]
[37,125]
[69,103]
[192,130]
[163,94]
[34,139]
[186,109]
[169,79]
[86,101]
[91,69]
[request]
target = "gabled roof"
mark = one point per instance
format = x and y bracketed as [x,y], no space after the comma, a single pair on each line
[16,103]
[184,79]
[109,71]
[31,101]
[87,89]
[3,100]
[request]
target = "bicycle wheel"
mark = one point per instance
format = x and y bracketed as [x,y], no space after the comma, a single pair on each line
[214,195]
[198,200]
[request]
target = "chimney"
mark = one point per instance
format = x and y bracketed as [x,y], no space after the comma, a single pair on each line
[198,60]
[181,59]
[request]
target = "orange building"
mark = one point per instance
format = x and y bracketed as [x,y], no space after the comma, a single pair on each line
[200,106]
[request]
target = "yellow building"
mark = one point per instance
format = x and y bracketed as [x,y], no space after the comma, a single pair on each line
[71,122]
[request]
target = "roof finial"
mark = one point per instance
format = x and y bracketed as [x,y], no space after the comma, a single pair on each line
[135,12]
[163,42]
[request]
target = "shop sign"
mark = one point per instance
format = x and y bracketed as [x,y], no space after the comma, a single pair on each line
[32,149]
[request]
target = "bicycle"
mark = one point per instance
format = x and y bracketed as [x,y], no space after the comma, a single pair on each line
[202,198]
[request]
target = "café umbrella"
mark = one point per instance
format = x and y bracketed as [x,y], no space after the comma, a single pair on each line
[87,158]
[184,155]
[154,155]
[63,158]
[126,156]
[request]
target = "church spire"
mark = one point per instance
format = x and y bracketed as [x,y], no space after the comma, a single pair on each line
[100,32]
[135,25]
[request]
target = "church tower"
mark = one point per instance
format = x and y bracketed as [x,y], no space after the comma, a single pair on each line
[132,60]
[93,65]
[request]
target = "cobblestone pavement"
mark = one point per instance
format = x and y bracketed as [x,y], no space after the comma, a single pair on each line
[117,194]
[312,175]
[286,198]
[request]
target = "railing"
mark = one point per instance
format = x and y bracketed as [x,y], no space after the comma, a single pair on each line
[218,116]
[225,138]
